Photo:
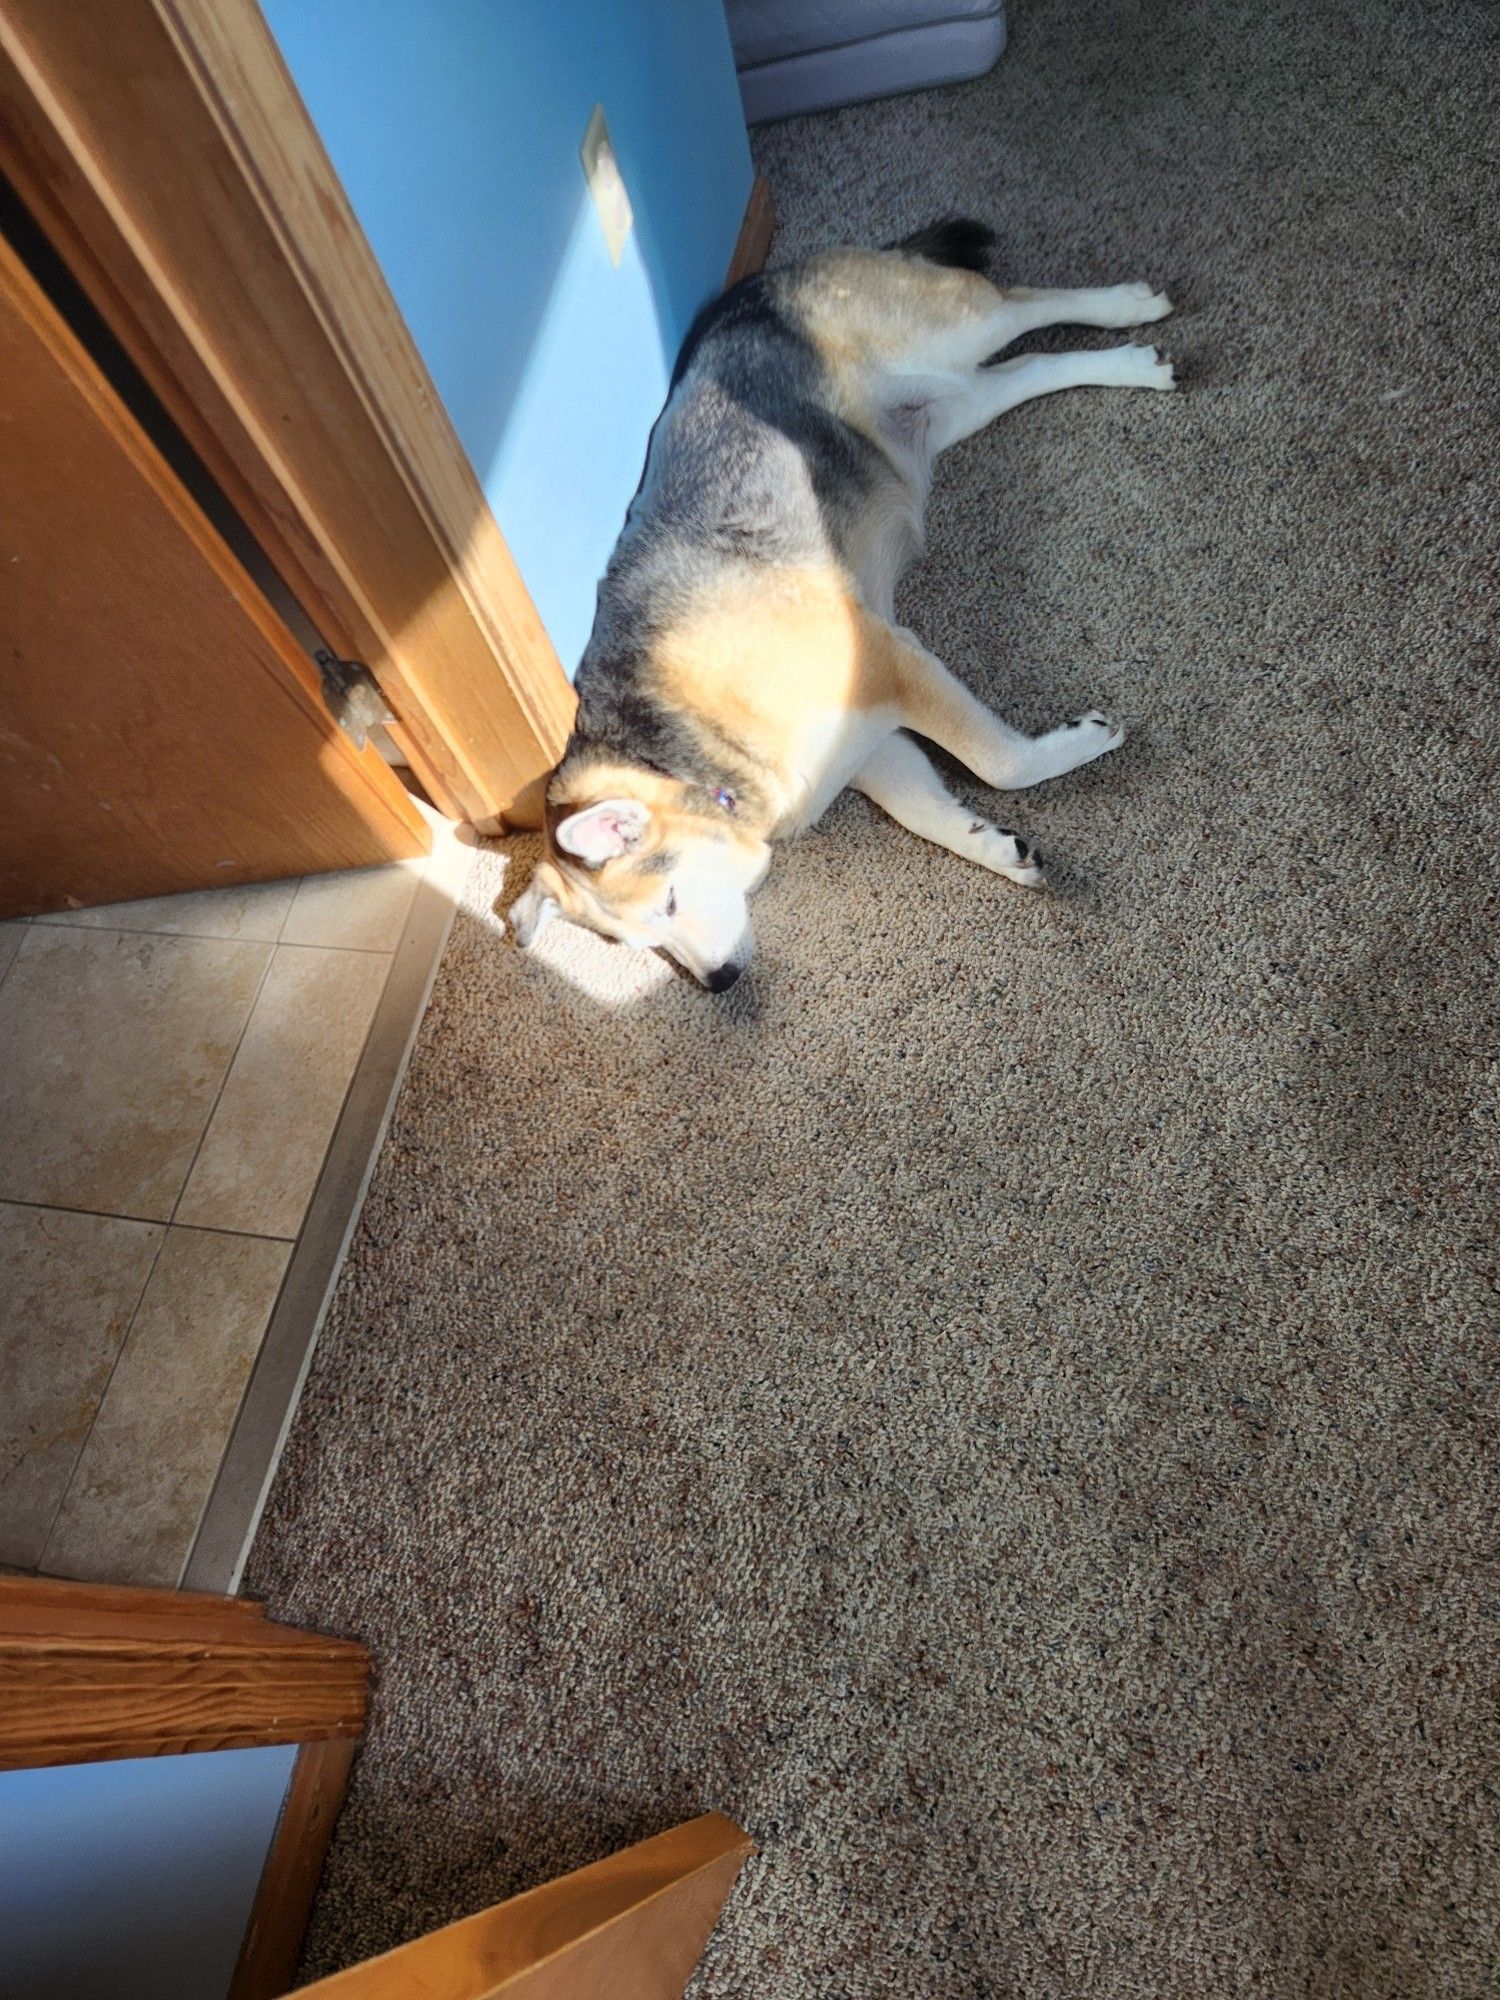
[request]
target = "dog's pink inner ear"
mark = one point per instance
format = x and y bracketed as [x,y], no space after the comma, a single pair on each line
[601,832]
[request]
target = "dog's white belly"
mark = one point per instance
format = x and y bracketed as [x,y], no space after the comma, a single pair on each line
[826,757]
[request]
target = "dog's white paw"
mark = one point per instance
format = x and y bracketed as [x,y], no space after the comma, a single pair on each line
[1103,732]
[1145,305]
[1002,849]
[1148,370]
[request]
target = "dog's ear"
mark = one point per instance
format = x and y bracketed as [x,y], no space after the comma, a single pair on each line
[536,906]
[600,833]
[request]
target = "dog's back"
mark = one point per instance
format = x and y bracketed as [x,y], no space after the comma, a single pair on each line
[770,454]
[749,469]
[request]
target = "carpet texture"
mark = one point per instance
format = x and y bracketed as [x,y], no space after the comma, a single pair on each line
[1003,1402]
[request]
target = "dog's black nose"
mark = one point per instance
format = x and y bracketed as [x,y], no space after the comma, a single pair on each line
[722,978]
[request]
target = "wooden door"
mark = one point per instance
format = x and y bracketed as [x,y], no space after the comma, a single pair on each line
[630,1927]
[160,729]
[162,148]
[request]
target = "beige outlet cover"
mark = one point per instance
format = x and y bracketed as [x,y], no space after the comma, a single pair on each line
[606,184]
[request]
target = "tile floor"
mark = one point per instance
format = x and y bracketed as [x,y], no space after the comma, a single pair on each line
[171,1074]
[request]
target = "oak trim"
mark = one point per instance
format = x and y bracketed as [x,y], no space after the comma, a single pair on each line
[87,1675]
[163,147]
[39,1599]
[272,1943]
[632,1926]
[753,244]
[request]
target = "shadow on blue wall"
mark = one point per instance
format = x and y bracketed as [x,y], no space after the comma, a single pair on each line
[455,127]
[574,441]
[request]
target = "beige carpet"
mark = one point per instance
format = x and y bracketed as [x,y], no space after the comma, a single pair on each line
[1003,1403]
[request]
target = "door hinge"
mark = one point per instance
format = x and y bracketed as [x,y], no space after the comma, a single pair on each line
[352,696]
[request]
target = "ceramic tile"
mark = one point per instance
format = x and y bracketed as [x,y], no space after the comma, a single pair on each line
[68,1286]
[255,911]
[10,943]
[112,1048]
[263,1151]
[134,1502]
[360,909]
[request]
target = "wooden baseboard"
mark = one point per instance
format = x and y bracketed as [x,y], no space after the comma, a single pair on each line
[753,245]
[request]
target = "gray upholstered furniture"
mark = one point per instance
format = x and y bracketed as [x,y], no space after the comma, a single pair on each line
[805,55]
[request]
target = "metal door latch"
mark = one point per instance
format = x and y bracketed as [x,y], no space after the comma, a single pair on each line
[352,696]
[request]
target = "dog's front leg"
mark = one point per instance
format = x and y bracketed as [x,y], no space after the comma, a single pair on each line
[934,703]
[902,782]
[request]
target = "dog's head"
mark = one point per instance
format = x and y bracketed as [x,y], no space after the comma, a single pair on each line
[654,866]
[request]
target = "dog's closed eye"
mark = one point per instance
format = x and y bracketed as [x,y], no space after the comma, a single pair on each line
[671,902]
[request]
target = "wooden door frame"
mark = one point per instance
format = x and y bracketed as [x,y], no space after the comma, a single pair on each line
[164,149]
[95,1672]
[92,1672]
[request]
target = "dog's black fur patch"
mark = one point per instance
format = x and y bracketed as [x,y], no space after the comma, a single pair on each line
[959,242]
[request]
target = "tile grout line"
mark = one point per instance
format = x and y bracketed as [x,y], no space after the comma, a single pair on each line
[273,1391]
[151,1221]
[289,908]
[268,1235]
[5,972]
[291,1242]
[295,1242]
[213,937]
[135,1312]
[234,1057]
[191,1540]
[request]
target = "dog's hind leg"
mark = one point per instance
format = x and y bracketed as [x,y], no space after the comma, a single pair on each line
[962,328]
[901,314]
[934,703]
[958,405]
[902,782]
[1098,305]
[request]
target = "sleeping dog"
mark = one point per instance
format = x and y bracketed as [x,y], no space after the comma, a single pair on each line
[745,664]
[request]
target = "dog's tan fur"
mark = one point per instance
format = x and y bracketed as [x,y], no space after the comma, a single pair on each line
[788,678]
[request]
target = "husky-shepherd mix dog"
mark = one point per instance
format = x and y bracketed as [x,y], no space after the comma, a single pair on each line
[744,665]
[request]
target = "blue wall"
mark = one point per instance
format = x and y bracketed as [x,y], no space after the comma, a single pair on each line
[455,127]
[134,1880]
